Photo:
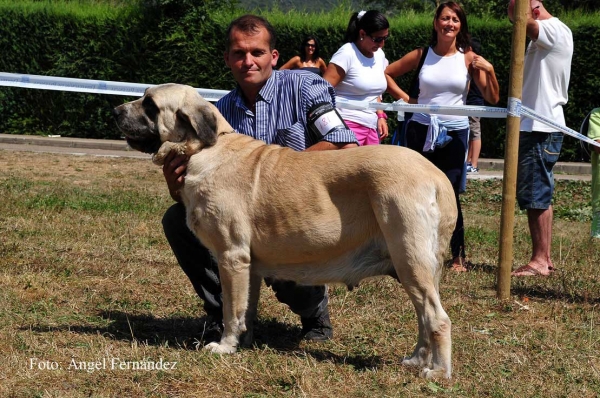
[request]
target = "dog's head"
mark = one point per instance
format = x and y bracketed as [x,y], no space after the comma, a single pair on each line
[169,113]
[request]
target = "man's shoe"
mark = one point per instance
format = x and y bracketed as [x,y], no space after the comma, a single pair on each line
[318,328]
[211,330]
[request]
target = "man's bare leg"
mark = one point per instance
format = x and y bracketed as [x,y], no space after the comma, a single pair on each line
[540,227]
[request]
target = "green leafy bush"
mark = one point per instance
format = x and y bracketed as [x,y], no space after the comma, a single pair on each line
[182,41]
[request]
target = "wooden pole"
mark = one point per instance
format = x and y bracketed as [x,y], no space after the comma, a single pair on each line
[511,151]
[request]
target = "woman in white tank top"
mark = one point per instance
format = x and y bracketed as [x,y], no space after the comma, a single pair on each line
[448,68]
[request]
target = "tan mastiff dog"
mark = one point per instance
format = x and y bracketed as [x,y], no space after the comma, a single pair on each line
[310,217]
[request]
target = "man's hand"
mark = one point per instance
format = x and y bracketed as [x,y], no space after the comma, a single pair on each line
[174,170]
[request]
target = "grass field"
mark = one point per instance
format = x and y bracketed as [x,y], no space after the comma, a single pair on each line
[90,289]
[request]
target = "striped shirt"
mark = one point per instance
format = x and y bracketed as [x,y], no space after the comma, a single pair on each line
[281,110]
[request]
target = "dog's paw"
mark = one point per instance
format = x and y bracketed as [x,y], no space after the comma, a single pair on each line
[158,160]
[217,348]
[435,374]
[415,361]
[159,157]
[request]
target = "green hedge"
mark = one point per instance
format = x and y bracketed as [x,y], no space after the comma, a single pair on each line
[182,41]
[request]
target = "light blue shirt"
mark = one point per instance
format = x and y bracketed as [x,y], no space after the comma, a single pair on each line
[281,107]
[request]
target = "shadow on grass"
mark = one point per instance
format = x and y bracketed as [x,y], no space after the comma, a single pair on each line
[181,332]
[481,267]
[186,333]
[553,292]
[472,267]
[360,362]
[560,286]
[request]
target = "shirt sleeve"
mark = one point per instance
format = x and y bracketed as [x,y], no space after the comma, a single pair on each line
[341,58]
[317,90]
[548,33]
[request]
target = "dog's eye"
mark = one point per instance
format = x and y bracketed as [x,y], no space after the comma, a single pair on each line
[150,108]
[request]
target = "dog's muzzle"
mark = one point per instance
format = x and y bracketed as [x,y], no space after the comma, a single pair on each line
[138,134]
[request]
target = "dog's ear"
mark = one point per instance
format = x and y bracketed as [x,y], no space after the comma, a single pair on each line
[200,119]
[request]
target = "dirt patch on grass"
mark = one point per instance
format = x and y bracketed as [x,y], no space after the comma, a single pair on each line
[80,170]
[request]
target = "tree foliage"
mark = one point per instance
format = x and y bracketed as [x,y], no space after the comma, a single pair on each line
[492,8]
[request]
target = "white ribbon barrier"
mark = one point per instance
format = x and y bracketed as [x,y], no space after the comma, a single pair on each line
[527,112]
[401,106]
[137,89]
[463,110]
[89,86]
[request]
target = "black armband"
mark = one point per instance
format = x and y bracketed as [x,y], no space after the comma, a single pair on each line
[323,118]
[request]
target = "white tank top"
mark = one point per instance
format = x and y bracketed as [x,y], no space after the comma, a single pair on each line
[444,81]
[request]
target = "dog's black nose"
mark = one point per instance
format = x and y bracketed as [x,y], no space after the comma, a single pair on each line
[116,112]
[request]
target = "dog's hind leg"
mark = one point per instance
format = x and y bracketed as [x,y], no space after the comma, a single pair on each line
[434,346]
[413,241]
[234,271]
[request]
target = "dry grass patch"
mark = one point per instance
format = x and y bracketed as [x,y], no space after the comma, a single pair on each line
[87,276]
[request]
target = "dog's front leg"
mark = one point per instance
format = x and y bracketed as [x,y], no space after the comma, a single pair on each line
[234,271]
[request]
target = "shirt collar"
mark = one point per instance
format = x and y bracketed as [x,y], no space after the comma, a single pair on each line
[267,93]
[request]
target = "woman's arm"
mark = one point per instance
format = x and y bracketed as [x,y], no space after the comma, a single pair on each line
[398,68]
[293,63]
[485,78]
[382,127]
[322,66]
[334,74]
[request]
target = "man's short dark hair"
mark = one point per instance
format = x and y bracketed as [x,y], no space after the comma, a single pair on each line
[251,24]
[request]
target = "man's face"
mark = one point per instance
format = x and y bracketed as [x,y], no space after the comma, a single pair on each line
[250,58]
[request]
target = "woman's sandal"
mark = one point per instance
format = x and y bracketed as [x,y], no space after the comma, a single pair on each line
[458,265]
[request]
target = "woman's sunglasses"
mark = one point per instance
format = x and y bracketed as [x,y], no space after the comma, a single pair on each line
[310,45]
[379,39]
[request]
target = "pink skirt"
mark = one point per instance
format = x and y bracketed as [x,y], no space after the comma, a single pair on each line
[364,135]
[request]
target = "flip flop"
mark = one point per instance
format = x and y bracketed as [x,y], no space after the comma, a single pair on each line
[528,270]
[458,268]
